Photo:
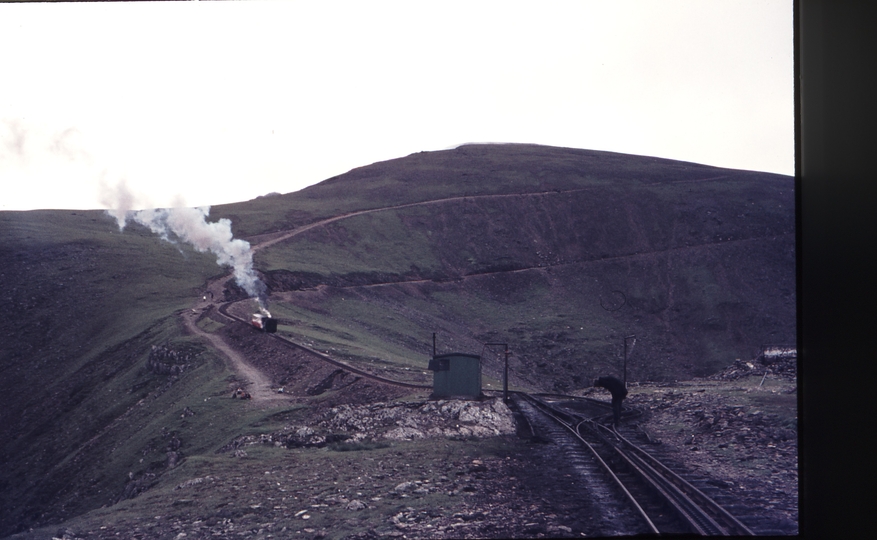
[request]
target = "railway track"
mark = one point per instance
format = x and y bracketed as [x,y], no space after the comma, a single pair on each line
[658,500]
[635,492]
[223,309]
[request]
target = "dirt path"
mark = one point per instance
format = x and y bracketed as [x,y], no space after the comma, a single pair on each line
[255,382]
[260,241]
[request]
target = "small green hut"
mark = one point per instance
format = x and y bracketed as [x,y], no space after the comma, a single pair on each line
[456,375]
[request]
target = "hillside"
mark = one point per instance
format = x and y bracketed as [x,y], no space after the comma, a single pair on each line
[560,253]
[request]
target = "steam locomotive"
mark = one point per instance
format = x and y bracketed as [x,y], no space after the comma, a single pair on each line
[264,322]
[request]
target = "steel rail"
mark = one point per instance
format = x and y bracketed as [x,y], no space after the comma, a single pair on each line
[589,400]
[717,513]
[551,412]
[687,511]
[685,508]
[691,504]
[223,309]
[703,515]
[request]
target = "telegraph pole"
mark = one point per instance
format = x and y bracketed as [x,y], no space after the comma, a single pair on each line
[505,377]
[625,355]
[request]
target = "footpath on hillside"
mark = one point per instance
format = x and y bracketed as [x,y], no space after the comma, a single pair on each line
[253,380]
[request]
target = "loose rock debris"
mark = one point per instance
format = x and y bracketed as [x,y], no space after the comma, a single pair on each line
[785,368]
[413,470]
[418,420]
[391,421]
[740,435]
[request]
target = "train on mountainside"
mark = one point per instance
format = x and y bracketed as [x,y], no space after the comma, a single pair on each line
[264,322]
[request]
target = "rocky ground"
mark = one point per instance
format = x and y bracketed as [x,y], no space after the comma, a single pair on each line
[738,427]
[356,426]
[455,469]
[418,469]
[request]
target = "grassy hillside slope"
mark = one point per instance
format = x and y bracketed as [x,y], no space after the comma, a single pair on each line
[558,252]
[84,304]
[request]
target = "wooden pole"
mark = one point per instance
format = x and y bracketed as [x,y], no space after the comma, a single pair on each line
[505,377]
[625,356]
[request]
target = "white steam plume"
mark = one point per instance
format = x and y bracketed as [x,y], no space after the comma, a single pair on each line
[190,225]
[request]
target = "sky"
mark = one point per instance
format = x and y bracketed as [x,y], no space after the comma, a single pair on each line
[205,103]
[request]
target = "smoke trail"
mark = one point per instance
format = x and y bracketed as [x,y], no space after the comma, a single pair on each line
[30,142]
[191,226]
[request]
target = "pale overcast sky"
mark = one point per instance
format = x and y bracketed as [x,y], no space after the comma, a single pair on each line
[219,102]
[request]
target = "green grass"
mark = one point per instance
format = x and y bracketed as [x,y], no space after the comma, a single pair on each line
[469,171]
[90,301]
[387,325]
[668,295]
[196,409]
[358,446]
[352,333]
[209,325]
[87,301]
[378,242]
